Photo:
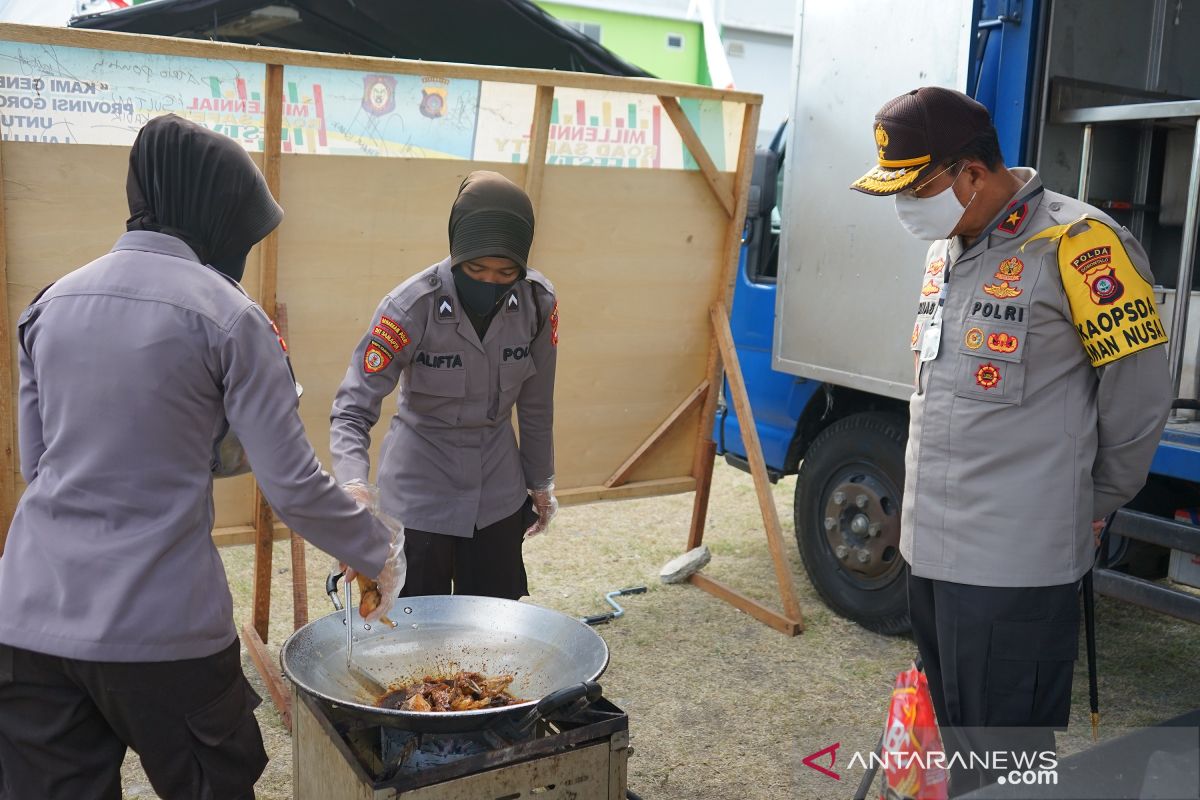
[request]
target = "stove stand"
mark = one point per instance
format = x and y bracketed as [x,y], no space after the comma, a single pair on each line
[581,755]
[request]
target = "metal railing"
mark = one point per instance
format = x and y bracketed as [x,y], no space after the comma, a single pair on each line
[1147,113]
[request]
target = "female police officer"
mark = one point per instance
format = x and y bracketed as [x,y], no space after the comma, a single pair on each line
[116,621]
[466,339]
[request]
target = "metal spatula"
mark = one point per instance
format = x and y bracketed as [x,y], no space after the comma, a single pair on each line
[360,674]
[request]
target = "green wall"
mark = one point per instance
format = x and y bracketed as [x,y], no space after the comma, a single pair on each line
[642,40]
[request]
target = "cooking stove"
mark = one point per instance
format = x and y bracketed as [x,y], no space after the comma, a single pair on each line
[579,753]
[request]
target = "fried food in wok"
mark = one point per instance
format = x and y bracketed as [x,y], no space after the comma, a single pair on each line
[465,691]
[369,598]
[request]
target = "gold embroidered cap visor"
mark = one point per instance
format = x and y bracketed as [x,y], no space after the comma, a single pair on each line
[885,179]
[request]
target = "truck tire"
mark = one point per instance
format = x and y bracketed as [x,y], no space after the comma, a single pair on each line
[847,514]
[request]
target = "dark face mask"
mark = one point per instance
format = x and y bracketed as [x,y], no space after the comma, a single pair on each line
[479,297]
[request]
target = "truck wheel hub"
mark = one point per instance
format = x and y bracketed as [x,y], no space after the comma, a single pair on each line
[862,524]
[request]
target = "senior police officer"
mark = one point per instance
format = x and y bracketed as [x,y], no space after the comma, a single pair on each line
[1041,393]
[116,621]
[467,339]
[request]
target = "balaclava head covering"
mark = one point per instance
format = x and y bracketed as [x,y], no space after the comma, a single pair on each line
[201,187]
[491,216]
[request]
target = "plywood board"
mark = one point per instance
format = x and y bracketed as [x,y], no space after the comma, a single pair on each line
[636,255]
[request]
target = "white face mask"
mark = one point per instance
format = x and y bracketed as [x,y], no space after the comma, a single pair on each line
[931,218]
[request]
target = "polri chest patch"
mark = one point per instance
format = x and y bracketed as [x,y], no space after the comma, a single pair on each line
[512,353]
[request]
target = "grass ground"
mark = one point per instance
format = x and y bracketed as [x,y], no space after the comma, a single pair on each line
[722,707]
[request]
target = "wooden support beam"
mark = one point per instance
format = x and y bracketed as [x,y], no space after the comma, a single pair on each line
[8,384]
[699,152]
[539,141]
[299,584]
[299,562]
[263,519]
[268,668]
[683,409]
[779,622]
[268,277]
[702,464]
[264,541]
[630,491]
[758,466]
[708,451]
[236,535]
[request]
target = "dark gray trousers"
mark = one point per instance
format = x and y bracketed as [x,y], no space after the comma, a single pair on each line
[65,726]
[997,658]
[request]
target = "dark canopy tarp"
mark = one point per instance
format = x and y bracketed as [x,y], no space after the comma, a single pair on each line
[507,33]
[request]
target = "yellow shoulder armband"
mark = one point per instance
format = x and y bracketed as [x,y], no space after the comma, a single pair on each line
[1112,305]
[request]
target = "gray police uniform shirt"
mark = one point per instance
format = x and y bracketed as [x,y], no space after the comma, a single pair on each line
[129,368]
[1039,406]
[450,462]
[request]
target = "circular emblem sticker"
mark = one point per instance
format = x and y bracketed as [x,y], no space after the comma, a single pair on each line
[1106,288]
[988,376]
[974,338]
[374,360]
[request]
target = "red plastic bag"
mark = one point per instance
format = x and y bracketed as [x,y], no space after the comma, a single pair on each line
[912,753]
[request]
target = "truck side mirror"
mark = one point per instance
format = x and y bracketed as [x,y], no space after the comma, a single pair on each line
[763,182]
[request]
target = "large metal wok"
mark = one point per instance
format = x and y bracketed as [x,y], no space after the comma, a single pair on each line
[545,651]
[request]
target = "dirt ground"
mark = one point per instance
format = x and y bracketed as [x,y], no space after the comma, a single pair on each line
[721,706]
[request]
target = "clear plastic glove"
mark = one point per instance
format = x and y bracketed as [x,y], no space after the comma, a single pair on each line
[546,505]
[378,596]
[364,493]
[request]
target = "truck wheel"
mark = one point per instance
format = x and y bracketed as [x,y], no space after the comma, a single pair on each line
[848,520]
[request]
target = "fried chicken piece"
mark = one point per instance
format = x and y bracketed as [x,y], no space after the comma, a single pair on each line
[466,684]
[369,598]
[461,702]
[497,685]
[466,691]
[416,703]
[439,698]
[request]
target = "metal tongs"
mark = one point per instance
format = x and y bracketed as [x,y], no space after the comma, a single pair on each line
[362,675]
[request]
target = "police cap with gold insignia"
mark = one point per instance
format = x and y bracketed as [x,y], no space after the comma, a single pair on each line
[916,130]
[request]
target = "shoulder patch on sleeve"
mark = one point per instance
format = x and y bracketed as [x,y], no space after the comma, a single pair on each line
[391,333]
[1112,305]
[376,358]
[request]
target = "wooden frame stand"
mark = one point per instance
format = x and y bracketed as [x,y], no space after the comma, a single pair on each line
[722,352]
[668,229]
[790,621]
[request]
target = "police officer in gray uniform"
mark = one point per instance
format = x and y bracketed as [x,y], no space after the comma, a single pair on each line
[467,340]
[116,621]
[1041,392]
